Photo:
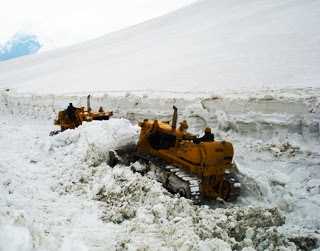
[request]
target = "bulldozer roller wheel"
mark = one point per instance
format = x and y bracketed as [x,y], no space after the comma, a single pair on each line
[225,189]
[182,192]
[112,159]
[234,187]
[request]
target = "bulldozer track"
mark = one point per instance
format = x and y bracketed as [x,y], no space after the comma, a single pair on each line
[234,186]
[183,178]
[189,179]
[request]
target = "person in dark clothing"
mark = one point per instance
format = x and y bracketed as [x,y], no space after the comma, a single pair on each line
[207,137]
[72,112]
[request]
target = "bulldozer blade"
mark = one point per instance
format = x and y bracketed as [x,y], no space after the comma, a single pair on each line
[101,118]
[124,155]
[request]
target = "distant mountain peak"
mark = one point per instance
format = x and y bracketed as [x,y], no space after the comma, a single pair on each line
[20,44]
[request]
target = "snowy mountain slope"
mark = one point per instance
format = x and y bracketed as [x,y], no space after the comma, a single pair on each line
[208,45]
[78,21]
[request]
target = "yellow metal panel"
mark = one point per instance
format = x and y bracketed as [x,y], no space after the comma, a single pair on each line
[189,151]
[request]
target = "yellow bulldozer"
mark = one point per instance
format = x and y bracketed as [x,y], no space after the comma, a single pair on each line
[183,163]
[72,117]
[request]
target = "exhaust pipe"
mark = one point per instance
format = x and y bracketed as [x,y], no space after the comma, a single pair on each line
[88,104]
[175,117]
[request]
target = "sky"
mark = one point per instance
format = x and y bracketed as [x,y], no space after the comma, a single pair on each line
[67,22]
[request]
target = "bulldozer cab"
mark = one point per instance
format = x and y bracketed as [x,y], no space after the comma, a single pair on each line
[160,140]
[160,135]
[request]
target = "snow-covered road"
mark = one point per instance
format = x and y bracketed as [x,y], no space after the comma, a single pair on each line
[57,192]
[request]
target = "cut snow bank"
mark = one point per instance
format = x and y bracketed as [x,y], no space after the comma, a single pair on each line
[261,114]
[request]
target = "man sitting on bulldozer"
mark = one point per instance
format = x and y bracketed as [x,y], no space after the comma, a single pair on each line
[207,137]
[71,110]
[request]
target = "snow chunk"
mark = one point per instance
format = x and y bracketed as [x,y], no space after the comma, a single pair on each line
[159,210]
[313,186]
[278,177]
[196,110]
[73,243]
[15,238]
[286,203]
[214,244]
[266,190]
[225,122]
[300,175]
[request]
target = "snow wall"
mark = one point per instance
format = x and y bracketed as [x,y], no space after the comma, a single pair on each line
[260,115]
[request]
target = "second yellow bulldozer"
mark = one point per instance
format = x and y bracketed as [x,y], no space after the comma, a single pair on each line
[72,117]
[184,164]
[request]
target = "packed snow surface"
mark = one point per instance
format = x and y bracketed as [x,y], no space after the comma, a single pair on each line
[208,45]
[59,193]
